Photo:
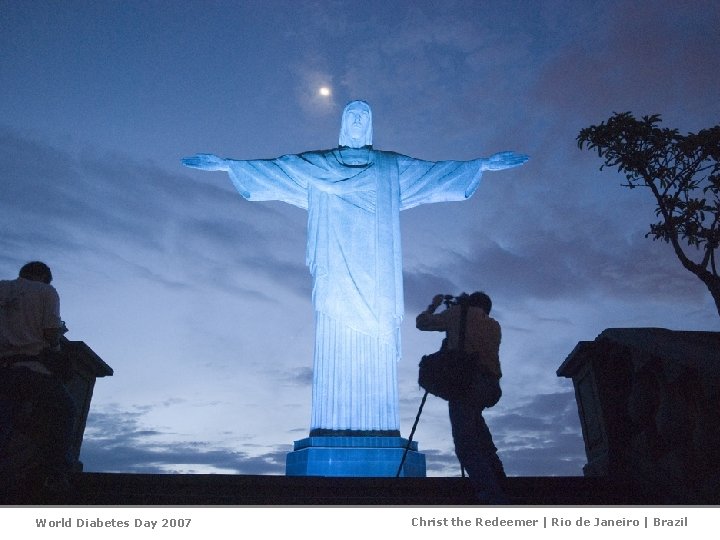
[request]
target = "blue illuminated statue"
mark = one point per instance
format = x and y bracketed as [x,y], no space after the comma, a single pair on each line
[354,195]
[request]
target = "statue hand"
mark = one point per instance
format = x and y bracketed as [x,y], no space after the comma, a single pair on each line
[205,162]
[504,160]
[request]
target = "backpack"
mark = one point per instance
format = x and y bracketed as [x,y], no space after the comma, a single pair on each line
[450,373]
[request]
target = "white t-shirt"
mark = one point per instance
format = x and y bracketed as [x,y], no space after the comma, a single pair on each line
[26,309]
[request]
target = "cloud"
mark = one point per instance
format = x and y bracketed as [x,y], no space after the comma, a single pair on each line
[551,268]
[140,215]
[301,376]
[115,442]
[538,436]
[640,58]
[533,240]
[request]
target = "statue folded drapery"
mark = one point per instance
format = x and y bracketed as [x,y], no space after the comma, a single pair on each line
[354,195]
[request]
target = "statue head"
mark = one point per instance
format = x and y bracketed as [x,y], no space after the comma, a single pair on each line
[356,128]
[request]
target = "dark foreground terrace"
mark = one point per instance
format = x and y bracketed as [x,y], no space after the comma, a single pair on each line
[108,489]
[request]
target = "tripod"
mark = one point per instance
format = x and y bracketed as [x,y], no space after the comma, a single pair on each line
[412,433]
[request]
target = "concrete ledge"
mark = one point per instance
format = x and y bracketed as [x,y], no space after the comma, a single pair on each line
[119,489]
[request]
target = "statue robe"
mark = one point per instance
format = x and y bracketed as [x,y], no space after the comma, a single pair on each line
[353,198]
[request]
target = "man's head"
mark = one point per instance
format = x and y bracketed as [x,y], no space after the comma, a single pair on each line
[356,128]
[36,271]
[481,300]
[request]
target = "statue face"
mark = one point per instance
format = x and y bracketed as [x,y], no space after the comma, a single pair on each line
[356,130]
[357,121]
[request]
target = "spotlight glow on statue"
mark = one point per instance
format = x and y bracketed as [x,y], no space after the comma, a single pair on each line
[354,195]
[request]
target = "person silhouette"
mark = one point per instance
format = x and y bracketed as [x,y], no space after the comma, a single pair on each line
[38,411]
[474,446]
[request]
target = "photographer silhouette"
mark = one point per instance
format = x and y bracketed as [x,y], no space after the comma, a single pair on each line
[474,446]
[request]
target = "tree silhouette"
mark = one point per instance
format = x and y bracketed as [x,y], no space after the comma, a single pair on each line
[683,174]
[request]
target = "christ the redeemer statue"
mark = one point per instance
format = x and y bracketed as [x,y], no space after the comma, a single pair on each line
[353,195]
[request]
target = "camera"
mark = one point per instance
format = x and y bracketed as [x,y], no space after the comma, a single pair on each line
[450,300]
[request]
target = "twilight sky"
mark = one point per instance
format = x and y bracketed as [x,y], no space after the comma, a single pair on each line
[200,300]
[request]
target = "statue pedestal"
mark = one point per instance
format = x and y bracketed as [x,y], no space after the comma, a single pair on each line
[354,456]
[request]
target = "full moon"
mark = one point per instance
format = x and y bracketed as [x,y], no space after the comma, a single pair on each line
[324,91]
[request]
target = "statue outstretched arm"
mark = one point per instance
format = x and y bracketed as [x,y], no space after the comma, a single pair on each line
[281,179]
[206,162]
[503,160]
[423,182]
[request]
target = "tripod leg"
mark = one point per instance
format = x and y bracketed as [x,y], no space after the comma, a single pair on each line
[412,432]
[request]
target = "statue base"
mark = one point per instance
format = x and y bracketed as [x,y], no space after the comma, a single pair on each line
[354,456]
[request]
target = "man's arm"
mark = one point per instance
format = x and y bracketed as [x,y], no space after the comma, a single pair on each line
[428,321]
[52,325]
[52,335]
